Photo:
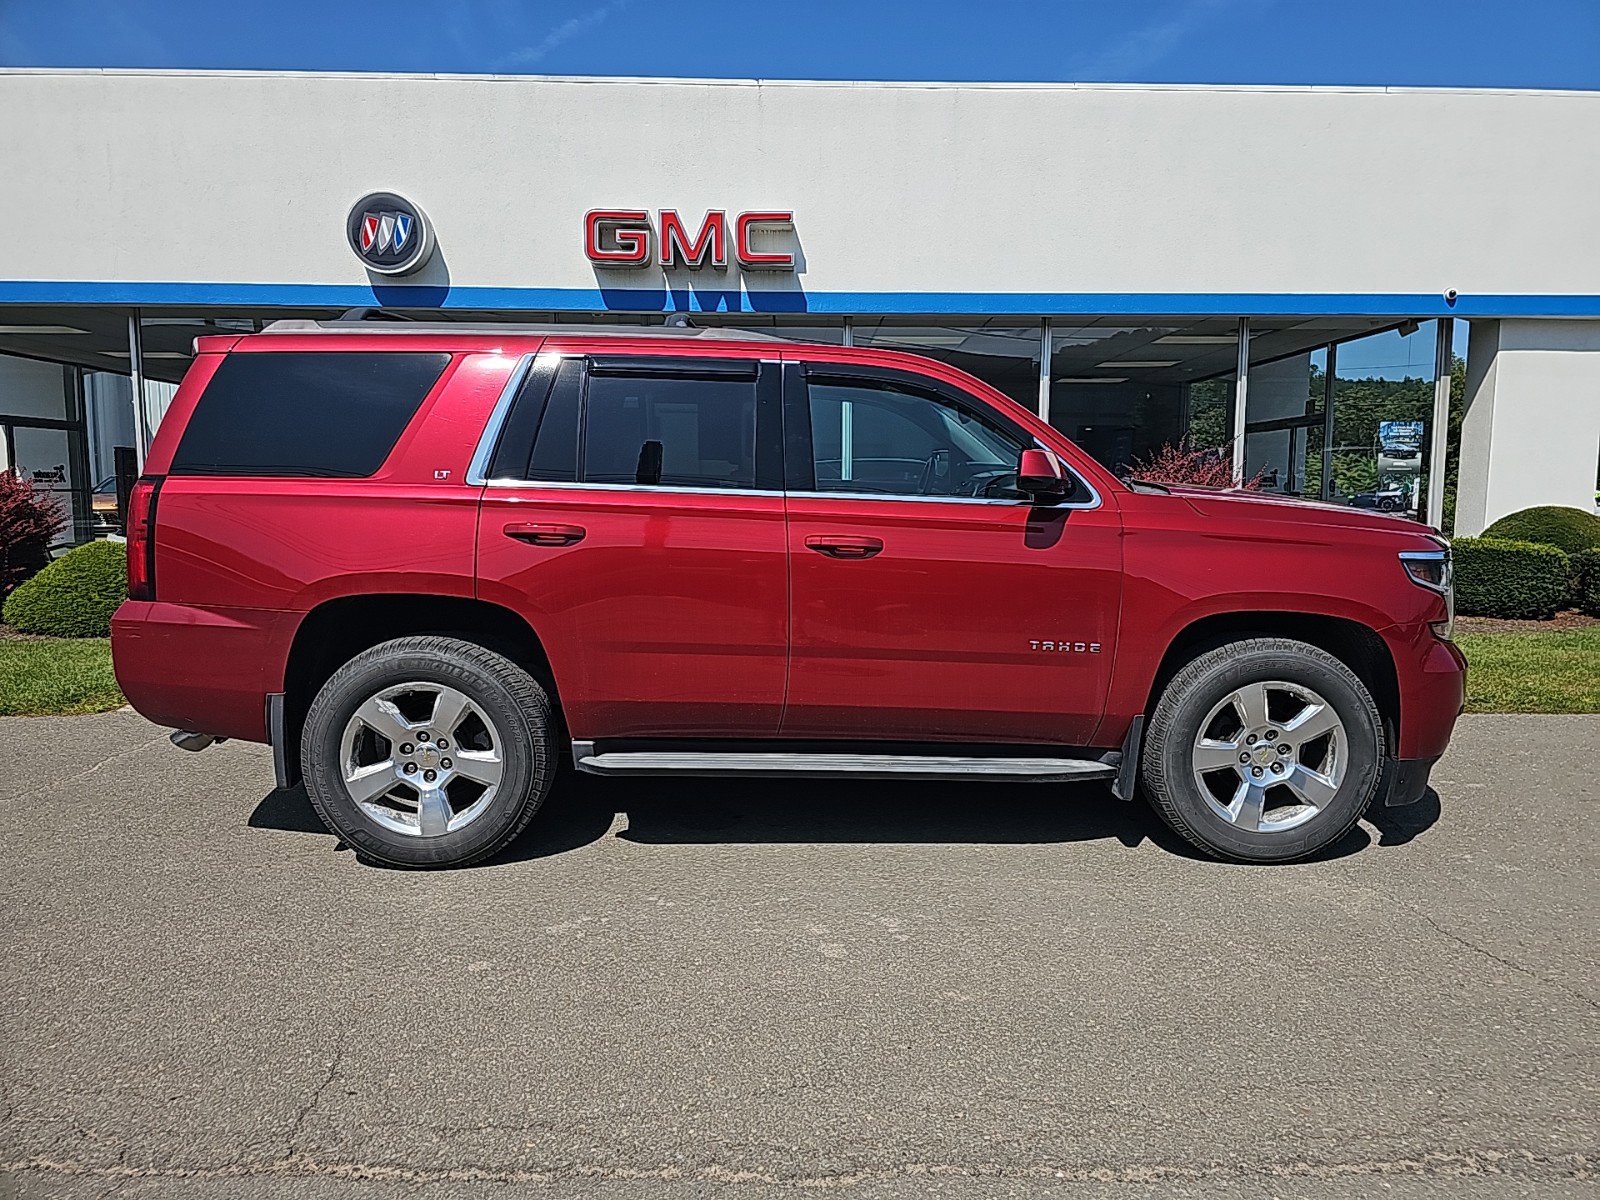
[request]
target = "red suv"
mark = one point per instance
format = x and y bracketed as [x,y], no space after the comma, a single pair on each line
[426,562]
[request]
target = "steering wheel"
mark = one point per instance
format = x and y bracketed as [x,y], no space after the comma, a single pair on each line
[995,485]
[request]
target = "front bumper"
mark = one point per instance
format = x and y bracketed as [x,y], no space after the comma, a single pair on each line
[1432,675]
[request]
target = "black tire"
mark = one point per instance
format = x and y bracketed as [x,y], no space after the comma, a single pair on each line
[507,695]
[1169,747]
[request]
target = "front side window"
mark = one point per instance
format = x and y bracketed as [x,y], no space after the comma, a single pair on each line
[670,430]
[887,440]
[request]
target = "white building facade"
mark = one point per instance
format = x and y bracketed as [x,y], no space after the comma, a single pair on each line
[1145,265]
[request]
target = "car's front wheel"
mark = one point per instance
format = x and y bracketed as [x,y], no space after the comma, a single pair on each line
[428,751]
[1263,750]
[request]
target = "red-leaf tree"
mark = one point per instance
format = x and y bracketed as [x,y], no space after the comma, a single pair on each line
[28,520]
[1195,468]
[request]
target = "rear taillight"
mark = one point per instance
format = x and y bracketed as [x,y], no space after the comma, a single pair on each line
[142,538]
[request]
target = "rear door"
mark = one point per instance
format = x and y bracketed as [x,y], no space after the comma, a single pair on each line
[634,515]
[931,600]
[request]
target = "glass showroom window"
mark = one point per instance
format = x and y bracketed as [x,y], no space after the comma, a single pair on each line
[1119,386]
[1003,352]
[1383,393]
[42,435]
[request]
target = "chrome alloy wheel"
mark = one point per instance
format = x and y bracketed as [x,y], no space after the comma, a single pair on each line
[1270,756]
[421,759]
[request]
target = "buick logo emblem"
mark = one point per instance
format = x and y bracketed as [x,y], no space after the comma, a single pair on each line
[389,234]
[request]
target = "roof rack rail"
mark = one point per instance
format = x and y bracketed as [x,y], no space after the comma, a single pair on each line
[408,325]
[372,314]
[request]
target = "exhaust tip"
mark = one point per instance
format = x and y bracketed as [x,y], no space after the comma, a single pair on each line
[188,739]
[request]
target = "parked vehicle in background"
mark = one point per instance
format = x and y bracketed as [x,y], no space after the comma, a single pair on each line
[1388,499]
[104,517]
[429,563]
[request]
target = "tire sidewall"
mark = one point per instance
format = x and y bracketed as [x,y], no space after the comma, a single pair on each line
[524,748]
[1365,752]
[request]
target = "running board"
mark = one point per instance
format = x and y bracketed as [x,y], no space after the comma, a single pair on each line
[838,766]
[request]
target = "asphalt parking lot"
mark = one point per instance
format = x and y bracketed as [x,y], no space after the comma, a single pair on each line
[697,989]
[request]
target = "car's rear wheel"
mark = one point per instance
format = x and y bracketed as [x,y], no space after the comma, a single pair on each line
[1263,750]
[428,752]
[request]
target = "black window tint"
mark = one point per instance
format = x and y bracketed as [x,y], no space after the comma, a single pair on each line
[881,440]
[676,431]
[540,439]
[555,449]
[320,414]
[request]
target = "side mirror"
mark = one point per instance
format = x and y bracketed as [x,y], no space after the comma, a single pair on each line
[1043,477]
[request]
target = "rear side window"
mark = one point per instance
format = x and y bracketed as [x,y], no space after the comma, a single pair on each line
[662,429]
[329,414]
[540,439]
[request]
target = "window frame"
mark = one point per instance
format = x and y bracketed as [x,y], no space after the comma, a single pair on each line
[764,374]
[799,456]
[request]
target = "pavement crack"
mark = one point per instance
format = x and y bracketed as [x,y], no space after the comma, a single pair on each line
[1510,964]
[313,1100]
[57,784]
[1455,1164]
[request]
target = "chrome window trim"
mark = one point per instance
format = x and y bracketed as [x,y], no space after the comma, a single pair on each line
[562,485]
[478,468]
[1092,502]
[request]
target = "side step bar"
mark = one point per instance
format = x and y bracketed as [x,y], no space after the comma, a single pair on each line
[776,765]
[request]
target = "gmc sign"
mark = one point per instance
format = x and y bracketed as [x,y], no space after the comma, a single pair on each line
[626,237]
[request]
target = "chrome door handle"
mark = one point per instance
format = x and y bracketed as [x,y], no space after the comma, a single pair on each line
[539,534]
[836,546]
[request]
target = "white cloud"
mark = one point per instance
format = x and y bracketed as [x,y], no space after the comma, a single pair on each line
[564,32]
[1147,44]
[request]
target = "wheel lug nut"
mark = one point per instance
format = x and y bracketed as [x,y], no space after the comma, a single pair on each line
[1277,768]
[445,763]
[406,747]
[442,744]
[1272,735]
[1255,771]
[411,768]
[1251,740]
[1285,748]
[1244,758]
[423,736]
[430,776]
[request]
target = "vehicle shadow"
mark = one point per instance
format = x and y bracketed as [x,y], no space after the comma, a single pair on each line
[1397,826]
[583,809]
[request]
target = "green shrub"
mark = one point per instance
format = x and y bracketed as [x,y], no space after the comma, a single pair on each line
[1569,529]
[75,595]
[1586,581]
[1499,578]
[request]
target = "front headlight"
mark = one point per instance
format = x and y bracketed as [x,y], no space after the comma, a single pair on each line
[1431,569]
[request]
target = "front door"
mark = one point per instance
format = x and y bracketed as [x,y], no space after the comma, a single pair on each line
[931,600]
[634,517]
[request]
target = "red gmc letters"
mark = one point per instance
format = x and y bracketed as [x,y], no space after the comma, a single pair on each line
[626,237]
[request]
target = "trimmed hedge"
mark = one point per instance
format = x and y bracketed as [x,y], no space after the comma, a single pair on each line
[1569,529]
[1499,578]
[73,596]
[1586,581]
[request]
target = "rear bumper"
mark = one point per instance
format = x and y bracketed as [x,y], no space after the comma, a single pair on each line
[204,669]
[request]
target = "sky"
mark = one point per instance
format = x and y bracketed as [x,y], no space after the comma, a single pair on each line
[1466,43]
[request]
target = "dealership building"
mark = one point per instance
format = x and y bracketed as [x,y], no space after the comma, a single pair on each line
[1142,265]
